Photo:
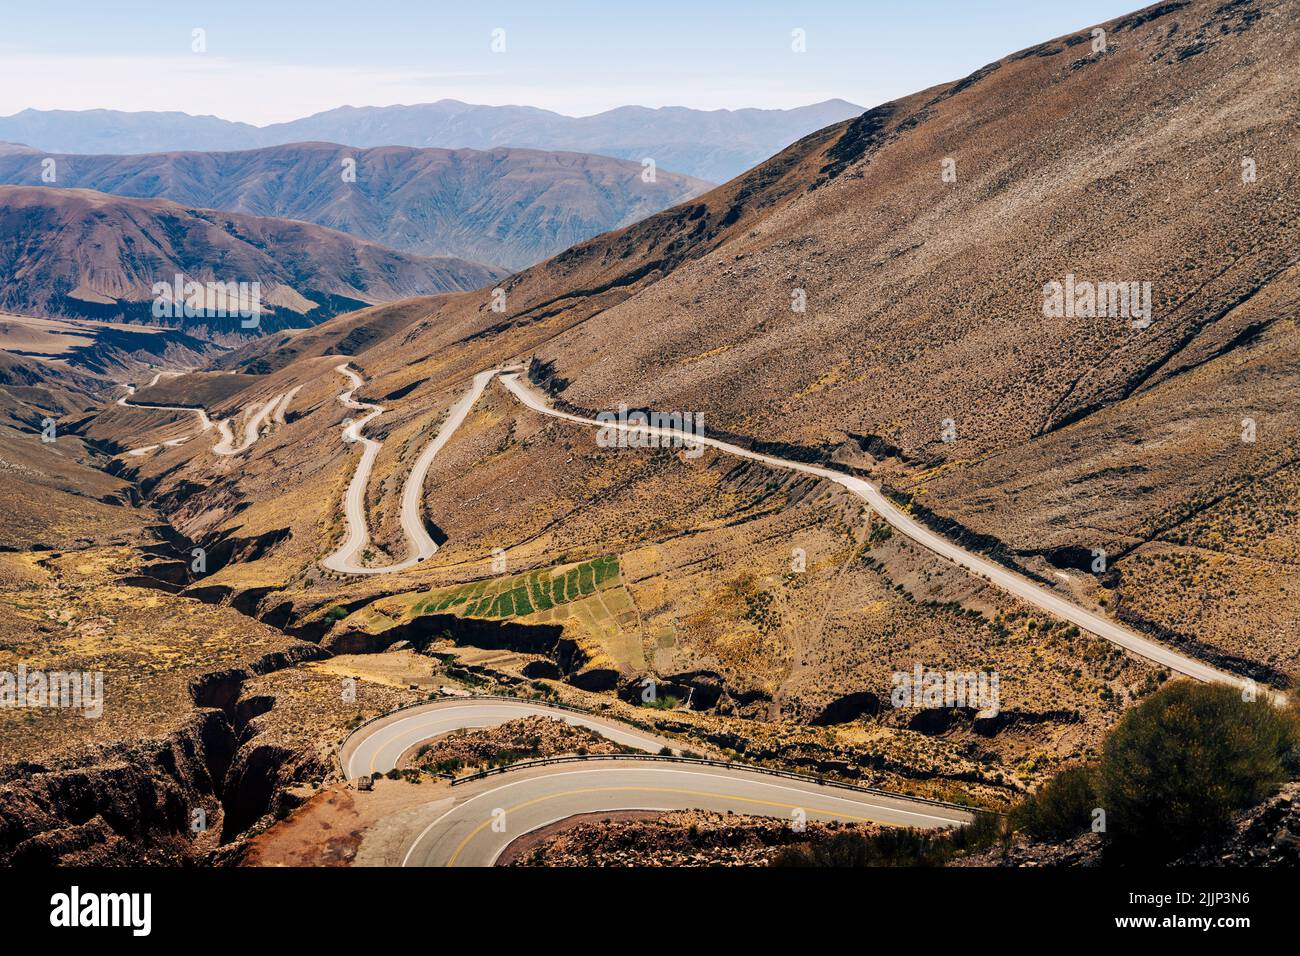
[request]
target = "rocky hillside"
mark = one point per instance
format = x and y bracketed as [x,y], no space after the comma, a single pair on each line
[855,300]
[526,738]
[1265,835]
[505,207]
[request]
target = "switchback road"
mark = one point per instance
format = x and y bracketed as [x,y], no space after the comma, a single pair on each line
[496,810]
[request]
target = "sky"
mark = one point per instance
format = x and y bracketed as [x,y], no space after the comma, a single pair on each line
[275,60]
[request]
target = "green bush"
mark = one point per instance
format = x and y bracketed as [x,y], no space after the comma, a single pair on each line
[666,702]
[336,613]
[1061,808]
[1180,765]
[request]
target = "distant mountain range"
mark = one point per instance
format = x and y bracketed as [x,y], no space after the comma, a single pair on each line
[508,208]
[78,253]
[715,145]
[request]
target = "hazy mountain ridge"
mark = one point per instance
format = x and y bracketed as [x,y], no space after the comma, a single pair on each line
[714,145]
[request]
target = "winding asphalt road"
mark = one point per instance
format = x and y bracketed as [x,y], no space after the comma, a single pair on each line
[475,831]
[376,747]
[493,812]
[490,813]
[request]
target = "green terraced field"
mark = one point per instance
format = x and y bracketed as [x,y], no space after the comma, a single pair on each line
[520,594]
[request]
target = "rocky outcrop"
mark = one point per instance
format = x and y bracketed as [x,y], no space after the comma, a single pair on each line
[258,781]
[1083,850]
[134,806]
[525,738]
[1267,835]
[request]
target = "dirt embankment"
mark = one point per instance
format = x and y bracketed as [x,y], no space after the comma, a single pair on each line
[527,738]
[136,805]
[676,838]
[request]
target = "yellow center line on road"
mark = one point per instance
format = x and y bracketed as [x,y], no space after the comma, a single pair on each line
[694,793]
[379,749]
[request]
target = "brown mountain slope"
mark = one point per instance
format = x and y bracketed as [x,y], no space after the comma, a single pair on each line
[506,207]
[925,297]
[74,252]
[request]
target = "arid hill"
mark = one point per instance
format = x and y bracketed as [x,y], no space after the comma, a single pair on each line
[924,320]
[508,208]
[74,252]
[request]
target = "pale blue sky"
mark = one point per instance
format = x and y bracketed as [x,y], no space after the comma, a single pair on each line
[274,60]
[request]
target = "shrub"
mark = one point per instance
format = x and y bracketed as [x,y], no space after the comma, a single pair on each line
[1181,764]
[1061,808]
[891,847]
[666,702]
